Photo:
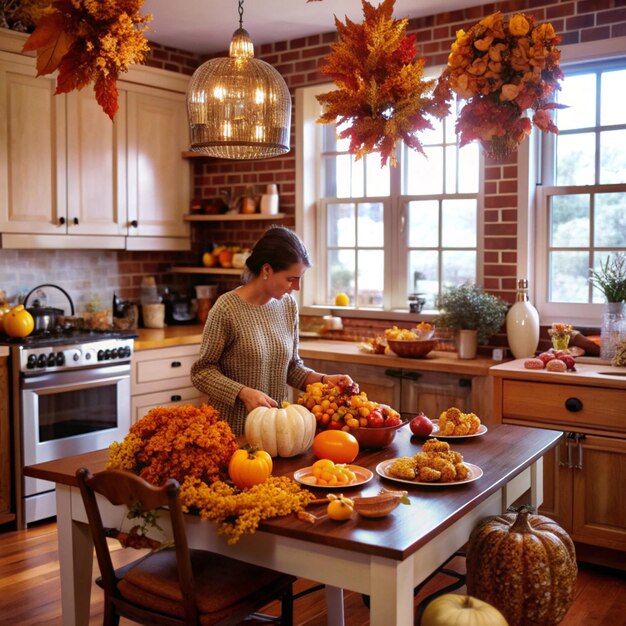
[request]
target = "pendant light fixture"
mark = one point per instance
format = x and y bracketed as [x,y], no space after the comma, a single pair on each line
[239,107]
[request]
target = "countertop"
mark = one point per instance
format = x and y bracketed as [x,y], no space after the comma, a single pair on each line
[4,351]
[596,374]
[169,336]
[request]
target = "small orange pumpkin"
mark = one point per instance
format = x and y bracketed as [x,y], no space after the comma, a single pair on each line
[18,322]
[249,467]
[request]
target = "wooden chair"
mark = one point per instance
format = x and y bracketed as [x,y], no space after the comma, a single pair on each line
[174,585]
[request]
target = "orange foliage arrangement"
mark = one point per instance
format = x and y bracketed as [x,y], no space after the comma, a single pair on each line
[192,445]
[90,41]
[502,69]
[381,96]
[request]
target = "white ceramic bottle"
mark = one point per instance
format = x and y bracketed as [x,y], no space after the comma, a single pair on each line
[522,324]
[269,200]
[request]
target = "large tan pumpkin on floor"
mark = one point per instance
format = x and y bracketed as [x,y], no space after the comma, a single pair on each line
[280,432]
[525,566]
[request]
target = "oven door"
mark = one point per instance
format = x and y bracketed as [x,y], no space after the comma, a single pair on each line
[71,412]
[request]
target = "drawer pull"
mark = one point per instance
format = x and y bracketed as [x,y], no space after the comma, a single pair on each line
[176,363]
[574,405]
[176,398]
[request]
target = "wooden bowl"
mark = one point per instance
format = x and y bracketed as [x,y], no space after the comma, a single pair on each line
[412,348]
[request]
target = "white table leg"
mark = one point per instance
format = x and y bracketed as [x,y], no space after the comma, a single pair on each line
[536,483]
[75,561]
[391,597]
[334,606]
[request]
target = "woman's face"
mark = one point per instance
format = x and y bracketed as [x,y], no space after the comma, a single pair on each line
[284,281]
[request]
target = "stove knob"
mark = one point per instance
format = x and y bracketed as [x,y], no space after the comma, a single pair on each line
[51,362]
[76,356]
[31,362]
[107,354]
[100,355]
[60,359]
[42,360]
[127,351]
[114,354]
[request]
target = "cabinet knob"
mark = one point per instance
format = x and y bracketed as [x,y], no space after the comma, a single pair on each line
[75,221]
[61,221]
[134,223]
[574,405]
[176,364]
[176,398]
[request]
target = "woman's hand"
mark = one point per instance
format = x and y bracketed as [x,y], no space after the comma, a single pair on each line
[342,380]
[254,398]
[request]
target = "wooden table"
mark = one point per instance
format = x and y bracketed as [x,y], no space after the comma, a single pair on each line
[383,558]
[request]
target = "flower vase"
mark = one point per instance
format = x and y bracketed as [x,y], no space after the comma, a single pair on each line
[467,344]
[611,332]
[560,343]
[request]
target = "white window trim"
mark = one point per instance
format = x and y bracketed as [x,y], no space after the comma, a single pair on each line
[532,227]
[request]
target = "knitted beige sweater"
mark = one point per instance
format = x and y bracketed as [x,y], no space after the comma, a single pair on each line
[247,345]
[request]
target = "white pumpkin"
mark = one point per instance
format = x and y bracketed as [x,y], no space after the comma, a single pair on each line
[280,431]
[452,608]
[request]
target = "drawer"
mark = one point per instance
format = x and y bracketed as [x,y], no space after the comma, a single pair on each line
[568,406]
[163,368]
[141,404]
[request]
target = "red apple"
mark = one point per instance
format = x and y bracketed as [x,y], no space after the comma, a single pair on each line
[421,426]
[393,420]
[546,356]
[375,419]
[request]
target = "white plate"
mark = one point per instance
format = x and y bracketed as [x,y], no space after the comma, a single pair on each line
[482,429]
[363,475]
[475,474]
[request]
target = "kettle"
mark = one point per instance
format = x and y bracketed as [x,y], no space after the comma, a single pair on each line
[45,317]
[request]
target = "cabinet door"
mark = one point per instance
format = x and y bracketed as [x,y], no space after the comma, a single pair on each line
[434,392]
[32,154]
[158,176]
[96,166]
[557,484]
[599,513]
[141,404]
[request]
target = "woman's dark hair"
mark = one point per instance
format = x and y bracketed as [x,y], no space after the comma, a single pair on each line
[280,247]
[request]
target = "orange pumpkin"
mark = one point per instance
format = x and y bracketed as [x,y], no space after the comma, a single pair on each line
[248,467]
[525,566]
[18,322]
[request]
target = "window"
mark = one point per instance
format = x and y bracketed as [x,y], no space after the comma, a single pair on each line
[378,233]
[581,217]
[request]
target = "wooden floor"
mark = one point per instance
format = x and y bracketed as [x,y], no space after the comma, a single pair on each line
[30,589]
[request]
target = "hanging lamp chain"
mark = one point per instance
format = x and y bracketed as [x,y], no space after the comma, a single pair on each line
[240,9]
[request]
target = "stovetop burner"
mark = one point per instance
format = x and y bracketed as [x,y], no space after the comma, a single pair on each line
[66,336]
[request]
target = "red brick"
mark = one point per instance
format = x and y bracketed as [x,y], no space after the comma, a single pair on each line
[500,229]
[595,34]
[580,21]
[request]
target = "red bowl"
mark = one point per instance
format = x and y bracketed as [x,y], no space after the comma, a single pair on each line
[373,438]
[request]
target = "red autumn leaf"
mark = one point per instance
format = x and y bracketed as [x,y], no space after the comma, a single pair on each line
[106,94]
[51,42]
[73,74]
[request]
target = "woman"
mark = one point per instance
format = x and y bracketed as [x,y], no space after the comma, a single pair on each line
[249,351]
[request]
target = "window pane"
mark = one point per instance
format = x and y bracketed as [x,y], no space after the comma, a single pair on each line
[341,225]
[450,169]
[612,156]
[341,268]
[610,220]
[424,175]
[612,107]
[377,178]
[423,224]
[459,223]
[329,138]
[468,168]
[578,92]
[568,279]
[370,225]
[569,221]
[371,264]
[423,275]
[575,160]
[458,267]
[342,144]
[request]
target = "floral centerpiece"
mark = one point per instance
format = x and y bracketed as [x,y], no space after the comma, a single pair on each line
[502,69]
[89,41]
[380,96]
[192,445]
[560,335]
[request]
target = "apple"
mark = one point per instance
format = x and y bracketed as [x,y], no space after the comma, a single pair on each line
[569,361]
[546,356]
[375,419]
[393,420]
[421,426]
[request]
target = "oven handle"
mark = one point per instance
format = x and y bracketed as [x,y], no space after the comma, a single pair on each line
[76,379]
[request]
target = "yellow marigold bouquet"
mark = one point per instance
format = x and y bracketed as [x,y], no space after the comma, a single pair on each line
[89,41]
[176,442]
[502,69]
[380,96]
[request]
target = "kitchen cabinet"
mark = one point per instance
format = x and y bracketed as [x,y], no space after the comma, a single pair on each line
[71,178]
[410,391]
[161,377]
[6,512]
[584,476]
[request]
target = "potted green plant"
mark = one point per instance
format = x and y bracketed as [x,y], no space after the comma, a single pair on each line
[468,307]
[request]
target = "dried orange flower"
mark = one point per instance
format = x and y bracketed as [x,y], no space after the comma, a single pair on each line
[90,41]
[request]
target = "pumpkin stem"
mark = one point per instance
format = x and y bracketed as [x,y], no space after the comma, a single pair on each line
[522,523]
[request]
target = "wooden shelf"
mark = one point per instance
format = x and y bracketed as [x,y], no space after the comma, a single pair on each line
[232,217]
[207,270]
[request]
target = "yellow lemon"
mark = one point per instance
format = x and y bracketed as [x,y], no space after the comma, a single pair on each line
[341,299]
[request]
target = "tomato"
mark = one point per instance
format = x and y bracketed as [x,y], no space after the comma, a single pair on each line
[249,467]
[18,322]
[336,445]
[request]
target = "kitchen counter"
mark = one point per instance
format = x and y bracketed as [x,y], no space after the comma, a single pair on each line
[150,338]
[348,352]
[4,351]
